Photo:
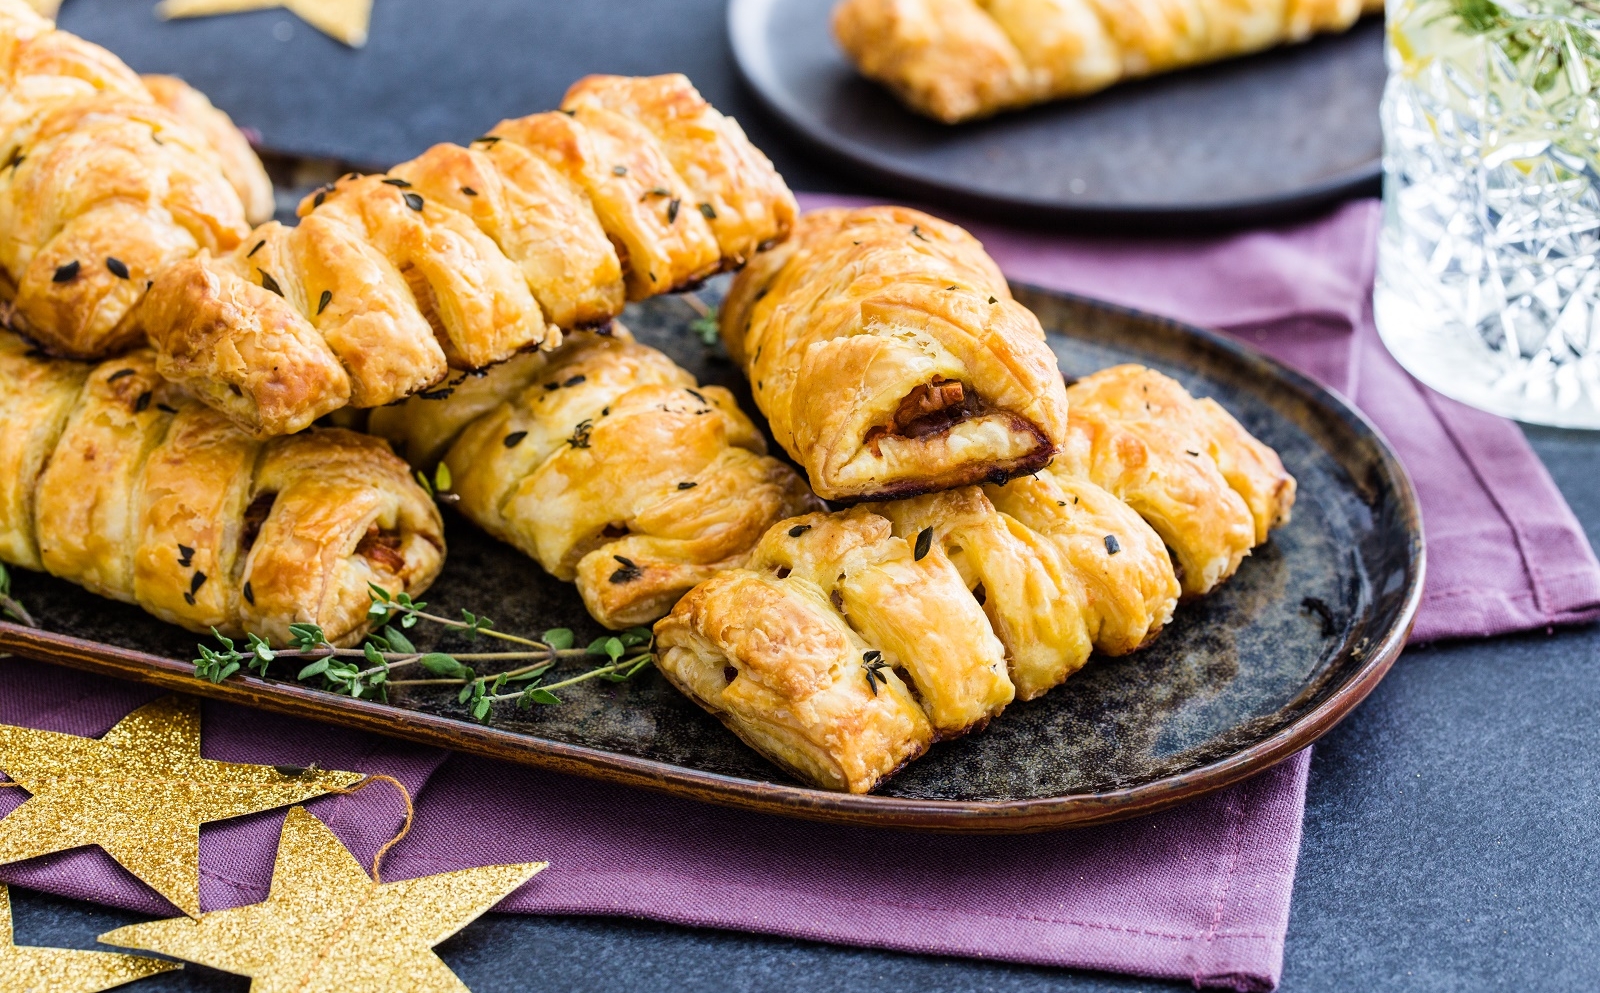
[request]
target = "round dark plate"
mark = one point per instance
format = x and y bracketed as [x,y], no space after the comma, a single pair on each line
[1242,141]
[1241,679]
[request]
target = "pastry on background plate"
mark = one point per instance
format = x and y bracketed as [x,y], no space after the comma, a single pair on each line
[954,60]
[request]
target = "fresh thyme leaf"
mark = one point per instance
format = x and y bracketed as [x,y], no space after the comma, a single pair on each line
[924,544]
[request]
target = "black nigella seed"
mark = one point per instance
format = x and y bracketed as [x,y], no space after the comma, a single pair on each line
[924,543]
[269,284]
[250,594]
[552,386]
[185,555]
[993,300]
[514,439]
[798,530]
[575,380]
[188,598]
[672,210]
[140,404]
[1061,503]
[687,486]
[414,201]
[628,571]
[256,249]
[118,375]
[166,409]
[709,213]
[1112,547]
[487,139]
[917,232]
[1192,452]
[324,300]
[66,273]
[198,581]
[697,395]
[395,181]
[469,191]
[619,170]
[871,655]
[117,268]
[317,201]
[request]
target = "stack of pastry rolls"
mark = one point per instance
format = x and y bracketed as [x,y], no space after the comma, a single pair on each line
[1048,521]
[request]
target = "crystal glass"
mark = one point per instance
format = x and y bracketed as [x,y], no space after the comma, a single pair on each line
[1488,288]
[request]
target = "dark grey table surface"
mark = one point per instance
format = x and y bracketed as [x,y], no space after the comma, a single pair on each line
[1452,821]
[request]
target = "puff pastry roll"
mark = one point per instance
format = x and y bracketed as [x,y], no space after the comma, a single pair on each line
[954,60]
[609,466]
[840,652]
[1187,466]
[886,351]
[1060,567]
[103,184]
[462,257]
[119,482]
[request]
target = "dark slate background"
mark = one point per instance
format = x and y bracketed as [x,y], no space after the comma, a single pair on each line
[1450,835]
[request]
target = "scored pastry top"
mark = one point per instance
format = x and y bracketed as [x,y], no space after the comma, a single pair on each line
[885,349]
[125,485]
[105,179]
[465,256]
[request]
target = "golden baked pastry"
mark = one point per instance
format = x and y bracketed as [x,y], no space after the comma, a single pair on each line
[119,482]
[102,184]
[840,652]
[954,60]
[1187,466]
[607,464]
[1059,566]
[885,349]
[464,256]
[787,651]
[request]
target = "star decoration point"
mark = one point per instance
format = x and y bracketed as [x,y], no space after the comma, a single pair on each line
[344,20]
[326,925]
[140,792]
[26,969]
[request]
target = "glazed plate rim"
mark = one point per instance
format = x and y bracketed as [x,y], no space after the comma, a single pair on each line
[747,22]
[957,816]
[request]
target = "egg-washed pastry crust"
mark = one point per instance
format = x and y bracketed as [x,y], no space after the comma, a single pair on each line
[885,349]
[105,179]
[852,641]
[113,479]
[954,60]
[606,463]
[465,256]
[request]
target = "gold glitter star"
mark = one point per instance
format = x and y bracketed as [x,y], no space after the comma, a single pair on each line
[65,970]
[327,926]
[345,20]
[141,793]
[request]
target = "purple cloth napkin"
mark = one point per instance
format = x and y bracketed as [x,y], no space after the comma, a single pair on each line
[1198,893]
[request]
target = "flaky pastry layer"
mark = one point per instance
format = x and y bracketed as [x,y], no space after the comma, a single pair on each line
[465,256]
[954,60]
[113,479]
[106,179]
[885,349]
[606,463]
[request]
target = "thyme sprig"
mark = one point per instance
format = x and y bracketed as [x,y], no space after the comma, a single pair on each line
[387,651]
[705,322]
[10,607]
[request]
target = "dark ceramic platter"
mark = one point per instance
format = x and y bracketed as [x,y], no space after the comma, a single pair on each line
[1242,141]
[1240,680]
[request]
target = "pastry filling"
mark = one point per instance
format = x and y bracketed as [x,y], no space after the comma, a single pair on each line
[930,408]
[381,547]
[255,515]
